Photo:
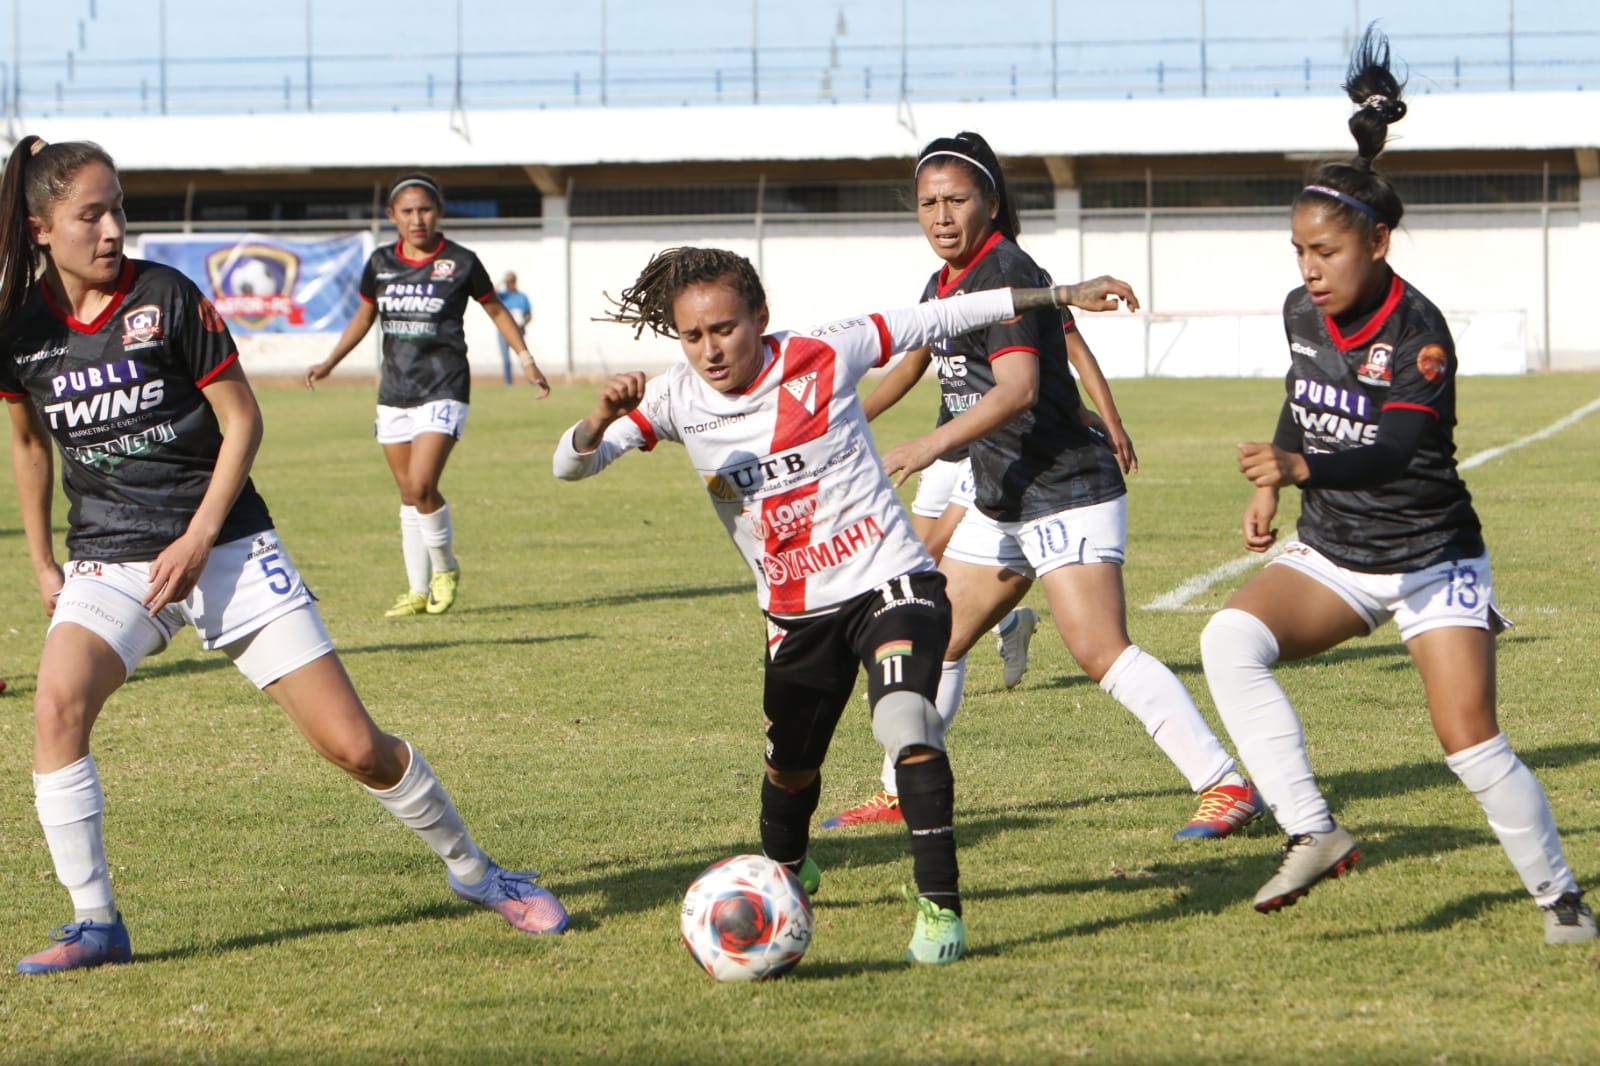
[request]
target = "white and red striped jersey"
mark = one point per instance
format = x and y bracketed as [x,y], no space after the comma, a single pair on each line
[789,463]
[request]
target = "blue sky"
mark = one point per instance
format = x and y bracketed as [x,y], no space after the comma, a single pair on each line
[106,55]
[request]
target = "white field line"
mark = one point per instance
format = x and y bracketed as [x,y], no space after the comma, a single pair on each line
[1178,598]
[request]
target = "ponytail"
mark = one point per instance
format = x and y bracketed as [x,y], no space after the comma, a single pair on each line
[1366,197]
[971,151]
[37,175]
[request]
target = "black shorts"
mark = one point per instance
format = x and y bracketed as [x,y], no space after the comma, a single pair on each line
[898,631]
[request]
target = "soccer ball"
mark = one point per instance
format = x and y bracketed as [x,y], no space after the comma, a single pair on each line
[746,919]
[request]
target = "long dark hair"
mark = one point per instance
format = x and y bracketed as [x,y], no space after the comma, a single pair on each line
[37,175]
[1374,89]
[647,303]
[966,149]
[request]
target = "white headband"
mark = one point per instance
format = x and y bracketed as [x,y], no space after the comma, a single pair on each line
[964,159]
[423,182]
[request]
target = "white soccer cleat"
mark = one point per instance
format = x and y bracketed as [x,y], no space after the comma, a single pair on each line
[1014,643]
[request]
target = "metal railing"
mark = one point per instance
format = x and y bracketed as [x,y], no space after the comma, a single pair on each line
[1031,69]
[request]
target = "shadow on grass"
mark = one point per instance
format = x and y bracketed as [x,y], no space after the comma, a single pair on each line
[278,936]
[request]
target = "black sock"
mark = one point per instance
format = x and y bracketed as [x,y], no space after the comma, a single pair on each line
[786,821]
[928,800]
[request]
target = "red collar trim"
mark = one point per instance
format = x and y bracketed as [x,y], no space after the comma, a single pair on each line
[770,344]
[118,293]
[1374,324]
[947,284]
[430,257]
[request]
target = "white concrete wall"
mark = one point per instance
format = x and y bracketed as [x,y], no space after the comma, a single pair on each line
[1215,282]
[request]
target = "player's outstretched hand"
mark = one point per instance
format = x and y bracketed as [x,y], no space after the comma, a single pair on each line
[1269,466]
[620,394]
[1102,294]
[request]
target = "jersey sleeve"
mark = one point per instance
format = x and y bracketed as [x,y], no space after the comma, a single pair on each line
[10,387]
[639,429]
[934,320]
[368,289]
[1424,365]
[479,284]
[205,345]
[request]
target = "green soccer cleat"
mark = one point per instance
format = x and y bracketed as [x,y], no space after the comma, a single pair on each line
[408,603]
[940,935]
[810,876]
[442,590]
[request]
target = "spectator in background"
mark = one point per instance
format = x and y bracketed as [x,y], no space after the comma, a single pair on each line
[515,301]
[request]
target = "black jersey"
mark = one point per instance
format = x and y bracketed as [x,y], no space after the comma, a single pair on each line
[1045,460]
[1340,381]
[121,396]
[421,303]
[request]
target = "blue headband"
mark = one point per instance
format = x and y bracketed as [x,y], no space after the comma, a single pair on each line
[1346,198]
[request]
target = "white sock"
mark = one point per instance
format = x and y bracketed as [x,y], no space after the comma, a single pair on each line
[436,534]
[952,680]
[1238,650]
[1518,813]
[70,805]
[1004,625]
[414,550]
[1144,685]
[424,807]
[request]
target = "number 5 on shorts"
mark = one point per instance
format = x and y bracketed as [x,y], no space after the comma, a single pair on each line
[277,577]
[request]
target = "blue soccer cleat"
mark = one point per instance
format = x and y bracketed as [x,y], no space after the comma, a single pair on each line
[80,945]
[514,896]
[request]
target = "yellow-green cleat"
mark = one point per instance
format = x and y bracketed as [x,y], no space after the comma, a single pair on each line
[809,876]
[940,935]
[442,590]
[409,603]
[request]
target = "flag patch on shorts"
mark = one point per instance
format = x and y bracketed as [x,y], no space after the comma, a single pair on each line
[894,647]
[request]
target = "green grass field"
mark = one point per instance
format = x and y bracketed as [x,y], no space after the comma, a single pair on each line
[593,702]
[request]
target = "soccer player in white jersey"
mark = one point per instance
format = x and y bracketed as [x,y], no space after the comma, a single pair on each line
[131,371]
[1387,530]
[418,289]
[773,427]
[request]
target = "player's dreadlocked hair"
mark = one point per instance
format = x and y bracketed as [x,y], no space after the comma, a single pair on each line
[1367,196]
[37,175]
[648,301]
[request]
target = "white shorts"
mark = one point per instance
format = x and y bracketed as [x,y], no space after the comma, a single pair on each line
[1456,593]
[1094,534]
[401,425]
[936,485]
[247,585]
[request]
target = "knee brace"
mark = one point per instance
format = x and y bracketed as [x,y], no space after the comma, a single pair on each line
[904,719]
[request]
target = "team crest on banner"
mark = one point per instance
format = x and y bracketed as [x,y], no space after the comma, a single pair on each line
[1375,370]
[254,283]
[269,284]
